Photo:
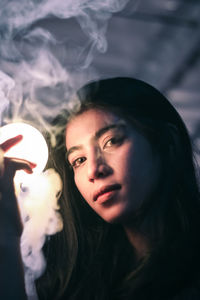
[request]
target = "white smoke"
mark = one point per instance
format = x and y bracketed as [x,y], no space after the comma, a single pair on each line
[39,70]
[6,85]
[29,52]
[39,211]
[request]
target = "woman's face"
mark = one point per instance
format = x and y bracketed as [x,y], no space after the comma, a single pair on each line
[114,166]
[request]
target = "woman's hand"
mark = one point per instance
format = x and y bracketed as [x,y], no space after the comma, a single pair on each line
[10,222]
[11,267]
[13,164]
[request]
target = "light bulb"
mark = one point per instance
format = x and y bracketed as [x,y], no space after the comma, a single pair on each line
[32,147]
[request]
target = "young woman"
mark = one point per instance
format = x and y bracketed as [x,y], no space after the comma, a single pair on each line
[130,203]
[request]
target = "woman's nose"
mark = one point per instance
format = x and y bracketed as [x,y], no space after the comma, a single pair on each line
[97,167]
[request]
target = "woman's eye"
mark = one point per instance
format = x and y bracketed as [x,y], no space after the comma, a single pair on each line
[113,142]
[77,162]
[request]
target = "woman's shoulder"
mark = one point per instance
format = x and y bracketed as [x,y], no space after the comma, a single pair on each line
[192,293]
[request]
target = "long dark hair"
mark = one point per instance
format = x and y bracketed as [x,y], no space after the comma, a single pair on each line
[91,259]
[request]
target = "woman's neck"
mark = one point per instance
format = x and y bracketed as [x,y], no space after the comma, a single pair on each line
[139,242]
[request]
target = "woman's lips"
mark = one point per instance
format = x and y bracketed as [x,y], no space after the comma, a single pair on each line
[106,192]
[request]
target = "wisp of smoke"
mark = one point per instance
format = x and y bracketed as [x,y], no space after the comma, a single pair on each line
[29,53]
[39,210]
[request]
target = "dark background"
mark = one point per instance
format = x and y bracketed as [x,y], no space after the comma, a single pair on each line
[157,41]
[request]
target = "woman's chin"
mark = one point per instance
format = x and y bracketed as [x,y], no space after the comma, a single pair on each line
[116,214]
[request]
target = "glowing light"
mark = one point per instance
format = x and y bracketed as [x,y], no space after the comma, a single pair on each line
[33,147]
[37,196]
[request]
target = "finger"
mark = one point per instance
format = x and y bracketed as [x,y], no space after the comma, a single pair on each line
[11,165]
[11,142]
[16,164]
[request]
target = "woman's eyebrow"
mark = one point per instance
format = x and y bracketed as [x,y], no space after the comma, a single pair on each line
[72,149]
[103,130]
[98,134]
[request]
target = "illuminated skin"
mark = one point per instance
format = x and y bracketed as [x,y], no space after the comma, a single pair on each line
[109,156]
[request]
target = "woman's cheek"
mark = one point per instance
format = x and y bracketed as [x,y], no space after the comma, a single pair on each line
[80,182]
[76,180]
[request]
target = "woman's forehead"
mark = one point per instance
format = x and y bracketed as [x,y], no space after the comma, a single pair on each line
[88,123]
[93,116]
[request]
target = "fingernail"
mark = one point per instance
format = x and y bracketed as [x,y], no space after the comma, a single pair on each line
[29,171]
[33,165]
